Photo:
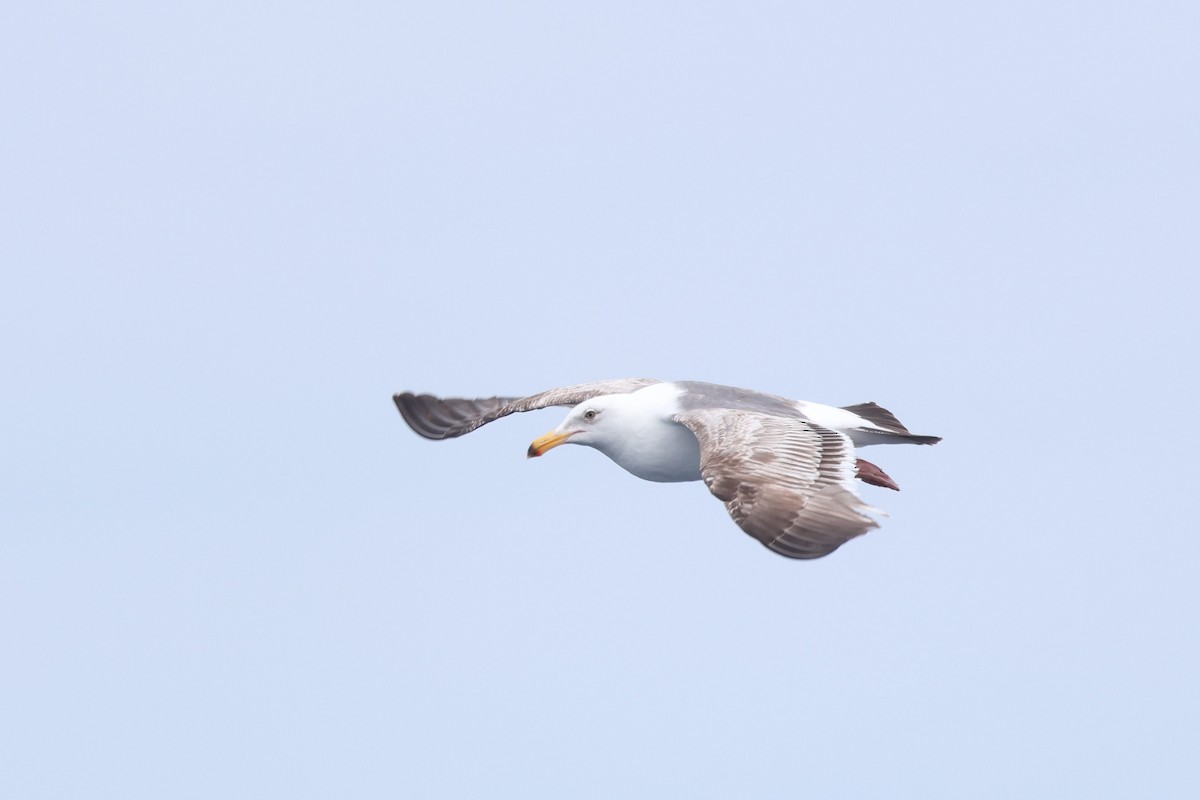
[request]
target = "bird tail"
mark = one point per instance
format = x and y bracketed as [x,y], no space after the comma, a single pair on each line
[893,430]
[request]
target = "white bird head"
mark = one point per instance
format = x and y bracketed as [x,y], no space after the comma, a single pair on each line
[589,423]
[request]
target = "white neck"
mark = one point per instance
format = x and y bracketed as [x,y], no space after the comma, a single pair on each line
[646,441]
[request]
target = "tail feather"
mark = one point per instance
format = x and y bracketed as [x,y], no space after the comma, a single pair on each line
[879,415]
[893,428]
[894,437]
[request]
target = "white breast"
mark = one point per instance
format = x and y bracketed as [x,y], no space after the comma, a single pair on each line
[643,438]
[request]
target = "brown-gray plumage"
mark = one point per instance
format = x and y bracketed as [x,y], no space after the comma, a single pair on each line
[783,479]
[448,417]
[785,469]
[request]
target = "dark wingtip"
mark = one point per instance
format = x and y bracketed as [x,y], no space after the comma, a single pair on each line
[409,405]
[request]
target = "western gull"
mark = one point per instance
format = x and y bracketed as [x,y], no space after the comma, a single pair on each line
[785,469]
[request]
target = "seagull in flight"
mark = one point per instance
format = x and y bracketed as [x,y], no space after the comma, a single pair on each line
[785,469]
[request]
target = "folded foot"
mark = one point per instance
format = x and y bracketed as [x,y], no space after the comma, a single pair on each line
[869,473]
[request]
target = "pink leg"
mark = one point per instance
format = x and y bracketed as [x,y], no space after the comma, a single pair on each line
[869,473]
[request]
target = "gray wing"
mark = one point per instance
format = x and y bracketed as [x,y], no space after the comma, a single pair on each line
[786,482]
[447,417]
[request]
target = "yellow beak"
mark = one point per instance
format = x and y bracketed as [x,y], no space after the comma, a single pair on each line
[549,441]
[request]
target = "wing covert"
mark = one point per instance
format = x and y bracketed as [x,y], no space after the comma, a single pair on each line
[785,481]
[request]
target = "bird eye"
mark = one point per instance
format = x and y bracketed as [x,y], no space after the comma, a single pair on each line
[590,414]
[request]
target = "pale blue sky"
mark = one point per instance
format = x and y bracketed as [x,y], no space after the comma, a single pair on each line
[231,231]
